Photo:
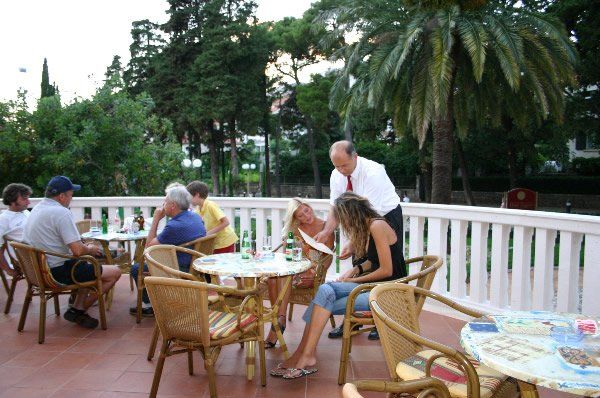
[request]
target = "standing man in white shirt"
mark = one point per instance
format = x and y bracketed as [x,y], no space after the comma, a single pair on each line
[366,178]
[16,197]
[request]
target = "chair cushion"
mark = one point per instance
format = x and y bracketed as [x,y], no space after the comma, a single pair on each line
[362,314]
[223,324]
[450,373]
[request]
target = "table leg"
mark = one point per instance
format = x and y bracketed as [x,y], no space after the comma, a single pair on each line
[138,257]
[250,346]
[528,390]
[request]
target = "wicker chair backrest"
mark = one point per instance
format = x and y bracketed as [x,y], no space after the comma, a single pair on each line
[180,308]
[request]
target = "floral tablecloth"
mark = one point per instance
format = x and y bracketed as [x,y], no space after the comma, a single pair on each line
[547,349]
[232,264]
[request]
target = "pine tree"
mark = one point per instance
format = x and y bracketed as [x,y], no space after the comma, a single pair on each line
[48,90]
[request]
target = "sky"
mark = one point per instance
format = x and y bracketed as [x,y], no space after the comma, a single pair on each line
[79,38]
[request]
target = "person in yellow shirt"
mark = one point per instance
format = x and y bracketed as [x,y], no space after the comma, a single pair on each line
[215,220]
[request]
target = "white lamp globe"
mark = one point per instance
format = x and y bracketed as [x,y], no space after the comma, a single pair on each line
[186,162]
[197,163]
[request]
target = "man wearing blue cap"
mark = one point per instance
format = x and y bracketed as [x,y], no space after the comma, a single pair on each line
[51,227]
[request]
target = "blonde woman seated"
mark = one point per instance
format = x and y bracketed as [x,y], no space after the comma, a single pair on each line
[377,245]
[300,215]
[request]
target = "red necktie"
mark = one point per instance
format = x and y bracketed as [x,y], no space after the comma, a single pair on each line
[349,186]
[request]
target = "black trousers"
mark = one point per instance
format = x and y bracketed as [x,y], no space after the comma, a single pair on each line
[394,218]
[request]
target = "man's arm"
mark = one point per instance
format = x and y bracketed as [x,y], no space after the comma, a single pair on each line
[223,223]
[152,240]
[330,226]
[78,248]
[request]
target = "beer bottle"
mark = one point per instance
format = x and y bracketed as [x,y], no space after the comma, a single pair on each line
[104,224]
[289,247]
[246,247]
[141,220]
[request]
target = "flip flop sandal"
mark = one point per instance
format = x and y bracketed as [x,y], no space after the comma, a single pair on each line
[279,371]
[290,374]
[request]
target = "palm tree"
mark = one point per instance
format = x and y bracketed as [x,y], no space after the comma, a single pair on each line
[445,65]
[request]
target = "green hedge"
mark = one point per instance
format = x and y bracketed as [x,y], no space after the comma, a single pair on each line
[582,185]
[586,166]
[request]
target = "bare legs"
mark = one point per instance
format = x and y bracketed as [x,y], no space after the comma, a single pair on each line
[305,354]
[85,298]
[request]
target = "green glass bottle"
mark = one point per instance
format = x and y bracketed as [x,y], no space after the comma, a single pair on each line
[104,224]
[289,247]
[246,246]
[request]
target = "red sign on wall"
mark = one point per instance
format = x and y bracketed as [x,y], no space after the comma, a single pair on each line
[522,198]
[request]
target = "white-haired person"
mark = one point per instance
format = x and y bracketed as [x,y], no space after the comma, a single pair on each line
[299,215]
[183,226]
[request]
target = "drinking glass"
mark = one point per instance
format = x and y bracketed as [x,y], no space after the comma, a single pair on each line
[266,246]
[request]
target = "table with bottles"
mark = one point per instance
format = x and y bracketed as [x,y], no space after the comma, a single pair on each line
[260,265]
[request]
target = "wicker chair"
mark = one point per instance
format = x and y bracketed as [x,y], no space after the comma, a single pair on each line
[122,260]
[186,324]
[17,276]
[427,387]
[410,357]
[353,320]
[304,295]
[41,283]
[162,262]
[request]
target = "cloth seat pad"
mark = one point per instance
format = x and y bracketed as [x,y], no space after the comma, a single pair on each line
[448,371]
[223,324]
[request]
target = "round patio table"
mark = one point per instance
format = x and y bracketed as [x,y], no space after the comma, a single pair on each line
[538,348]
[250,270]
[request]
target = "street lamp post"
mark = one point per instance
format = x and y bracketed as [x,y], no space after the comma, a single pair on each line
[248,167]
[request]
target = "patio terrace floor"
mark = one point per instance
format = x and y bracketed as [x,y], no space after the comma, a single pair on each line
[76,362]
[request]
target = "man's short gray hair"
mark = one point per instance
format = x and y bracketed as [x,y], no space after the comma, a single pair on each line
[180,196]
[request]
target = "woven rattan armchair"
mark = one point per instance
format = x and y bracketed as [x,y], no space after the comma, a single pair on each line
[353,320]
[304,295]
[122,260]
[162,262]
[16,277]
[427,387]
[41,283]
[186,324]
[410,357]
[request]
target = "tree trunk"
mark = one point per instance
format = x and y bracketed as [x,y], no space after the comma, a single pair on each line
[235,170]
[277,146]
[348,130]
[512,163]
[214,158]
[313,158]
[267,129]
[441,190]
[464,172]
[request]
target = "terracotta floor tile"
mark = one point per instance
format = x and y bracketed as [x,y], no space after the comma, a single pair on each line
[16,392]
[69,360]
[110,362]
[55,344]
[173,384]
[11,376]
[32,359]
[62,393]
[98,380]
[278,387]
[126,346]
[91,346]
[323,388]
[48,378]
[135,382]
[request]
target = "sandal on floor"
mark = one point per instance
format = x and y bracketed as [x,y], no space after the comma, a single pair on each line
[293,373]
[279,371]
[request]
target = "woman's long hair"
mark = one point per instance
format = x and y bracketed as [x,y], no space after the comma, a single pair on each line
[290,223]
[355,214]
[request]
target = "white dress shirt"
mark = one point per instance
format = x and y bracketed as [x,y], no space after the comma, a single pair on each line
[370,180]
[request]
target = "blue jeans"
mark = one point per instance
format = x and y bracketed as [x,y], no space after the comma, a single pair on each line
[333,297]
[134,273]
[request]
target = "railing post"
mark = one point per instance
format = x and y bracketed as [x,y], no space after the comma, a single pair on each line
[415,236]
[479,274]
[568,271]
[591,276]
[499,273]
[458,256]
[543,276]
[520,298]
[437,244]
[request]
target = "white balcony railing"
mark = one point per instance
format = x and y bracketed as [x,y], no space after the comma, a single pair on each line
[473,237]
